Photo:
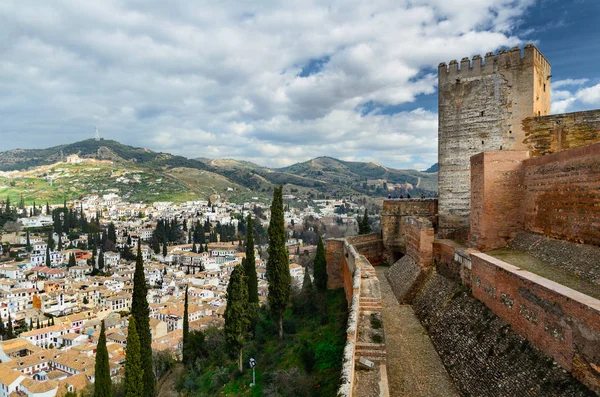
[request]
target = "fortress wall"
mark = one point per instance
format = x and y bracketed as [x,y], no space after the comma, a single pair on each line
[419,235]
[482,354]
[563,198]
[369,245]
[559,321]
[555,133]
[405,277]
[393,217]
[497,195]
[336,263]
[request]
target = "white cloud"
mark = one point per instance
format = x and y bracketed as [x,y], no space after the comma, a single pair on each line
[221,80]
[590,95]
[568,82]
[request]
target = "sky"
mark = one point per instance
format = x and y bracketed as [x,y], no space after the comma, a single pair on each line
[270,82]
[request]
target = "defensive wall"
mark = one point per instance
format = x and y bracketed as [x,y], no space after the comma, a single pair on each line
[481,108]
[555,133]
[555,195]
[364,362]
[498,329]
[393,223]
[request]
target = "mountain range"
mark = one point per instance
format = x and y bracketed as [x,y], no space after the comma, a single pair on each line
[322,177]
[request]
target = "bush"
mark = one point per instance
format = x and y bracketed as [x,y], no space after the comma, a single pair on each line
[289,325]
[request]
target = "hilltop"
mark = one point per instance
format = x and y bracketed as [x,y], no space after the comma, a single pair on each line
[105,166]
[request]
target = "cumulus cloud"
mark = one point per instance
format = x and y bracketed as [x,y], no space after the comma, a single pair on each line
[272,82]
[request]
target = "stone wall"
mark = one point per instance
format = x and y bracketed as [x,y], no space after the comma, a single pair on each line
[481,108]
[562,196]
[369,245]
[405,277]
[578,259]
[364,298]
[555,133]
[393,216]
[561,322]
[484,357]
[419,235]
[497,196]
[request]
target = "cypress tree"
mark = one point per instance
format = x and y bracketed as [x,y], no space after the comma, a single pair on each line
[72,261]
[141,312]
[278,268]
[102,383]
[28,242]
[164,252]
[186,329]
[364,226]
[38,323]
[9,329]
[249,264]
[60,244]
[236,313]
[51,243]
[320,267]
[101,260]
[48,262]
[2,330]
[194,249]
[134,372]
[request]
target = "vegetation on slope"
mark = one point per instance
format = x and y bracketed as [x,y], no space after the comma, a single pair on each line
[306,362]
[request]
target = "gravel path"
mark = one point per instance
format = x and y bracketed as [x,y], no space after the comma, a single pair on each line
[413,366]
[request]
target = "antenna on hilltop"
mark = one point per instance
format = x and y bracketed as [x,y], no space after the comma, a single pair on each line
[97,134]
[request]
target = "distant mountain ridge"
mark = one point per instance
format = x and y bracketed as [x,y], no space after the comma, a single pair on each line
[317,178]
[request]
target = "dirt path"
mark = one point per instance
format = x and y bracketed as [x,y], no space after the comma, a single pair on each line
[413,366]
[166,387]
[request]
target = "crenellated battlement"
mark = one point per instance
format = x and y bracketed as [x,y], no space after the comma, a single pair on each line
[514,58]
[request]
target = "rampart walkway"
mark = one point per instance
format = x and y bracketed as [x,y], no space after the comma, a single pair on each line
[413,366]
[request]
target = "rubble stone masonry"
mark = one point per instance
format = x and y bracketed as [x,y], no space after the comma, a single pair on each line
[555,133]
[481,107]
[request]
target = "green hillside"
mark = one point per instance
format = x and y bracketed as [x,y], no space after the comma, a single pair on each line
[44,175]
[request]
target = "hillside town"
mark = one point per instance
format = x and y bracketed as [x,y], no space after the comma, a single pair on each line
[67,268]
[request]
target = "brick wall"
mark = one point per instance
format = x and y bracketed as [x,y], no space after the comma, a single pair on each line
[561,322]
[419,235]
[555,195]
[563,199]
[551,134]
[336,262]
[497,196]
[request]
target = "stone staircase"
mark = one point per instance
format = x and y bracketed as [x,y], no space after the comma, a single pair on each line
[374,352]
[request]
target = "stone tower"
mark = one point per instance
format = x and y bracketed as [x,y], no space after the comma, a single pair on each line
[481,109]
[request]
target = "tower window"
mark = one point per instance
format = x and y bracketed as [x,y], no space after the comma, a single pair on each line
[482,113]
[544,87]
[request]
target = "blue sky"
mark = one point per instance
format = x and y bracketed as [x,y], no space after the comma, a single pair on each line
[273,82]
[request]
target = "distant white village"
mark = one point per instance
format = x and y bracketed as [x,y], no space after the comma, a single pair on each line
[56,286]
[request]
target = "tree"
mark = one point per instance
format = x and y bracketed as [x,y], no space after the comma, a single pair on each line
[60,244]
[278,268]
[101,260]
[236,313]
[103,383]
[9,328]
[2,329]
[141,313]
[72,261]
[364,227]
[48,262]
[112,234]
[250,271]
[164,252]
[51,243]
[186,329]
[28,247]
[320,267]
[38,323]
[134,372]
